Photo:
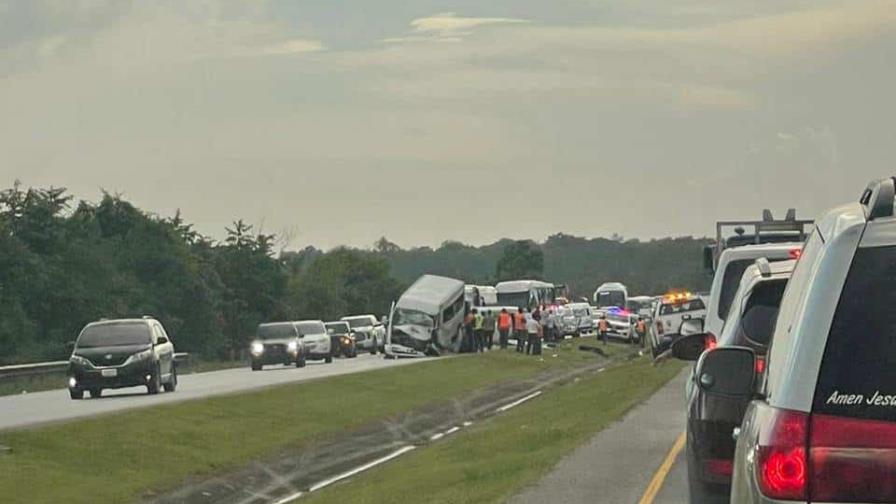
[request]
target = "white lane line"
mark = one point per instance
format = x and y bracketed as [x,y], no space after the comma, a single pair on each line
[360,469]
[451,431]
[436,437]
[467,424]
[601,370]
[516,403]
[290,498]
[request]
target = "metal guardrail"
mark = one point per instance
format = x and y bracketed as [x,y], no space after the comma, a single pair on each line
[39,368]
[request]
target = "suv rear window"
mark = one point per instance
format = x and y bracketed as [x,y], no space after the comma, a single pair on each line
[858,373]
[758,321]
[692,305]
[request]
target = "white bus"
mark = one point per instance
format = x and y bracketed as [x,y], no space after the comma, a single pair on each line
[525,293]
[611,294]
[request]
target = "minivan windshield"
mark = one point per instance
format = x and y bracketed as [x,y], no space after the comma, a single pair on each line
[115,334]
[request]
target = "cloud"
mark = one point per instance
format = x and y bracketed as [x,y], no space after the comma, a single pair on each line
[294,46]
[449,27]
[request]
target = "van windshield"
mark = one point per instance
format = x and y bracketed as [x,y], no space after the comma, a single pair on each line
[858,372]
[517,299]
[405,316]
[356,322]
[115,334]
[611,298]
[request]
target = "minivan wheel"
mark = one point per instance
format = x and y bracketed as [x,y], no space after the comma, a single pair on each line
[329,358]
[256,366]
[96,393]
[300,362]
[172,382]
[76,394]
[155,383]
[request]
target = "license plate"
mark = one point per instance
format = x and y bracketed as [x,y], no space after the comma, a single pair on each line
[109,373]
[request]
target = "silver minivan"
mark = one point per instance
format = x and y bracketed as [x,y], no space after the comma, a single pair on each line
[822,425]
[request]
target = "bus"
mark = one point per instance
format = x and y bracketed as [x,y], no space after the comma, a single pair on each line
[525,293]
[611,294]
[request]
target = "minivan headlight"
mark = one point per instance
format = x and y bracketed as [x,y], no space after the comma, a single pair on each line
[257,348]
[293,346]
[81,361]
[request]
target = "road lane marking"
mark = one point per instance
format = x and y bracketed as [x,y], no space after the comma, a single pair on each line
[516,403]
[660,477]
[436,437]
[360,469]
[451,431]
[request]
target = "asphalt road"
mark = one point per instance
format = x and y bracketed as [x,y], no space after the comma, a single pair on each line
[37,408]
[619,464]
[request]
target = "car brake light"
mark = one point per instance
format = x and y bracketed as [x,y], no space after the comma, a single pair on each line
[710,341]
[760,365]
[795,253]
[781,454]
[853,460]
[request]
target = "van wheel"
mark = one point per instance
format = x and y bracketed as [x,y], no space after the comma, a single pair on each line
[172,382]
[76,394]
[152,388]
[256,366]
[374,347]
[95,393]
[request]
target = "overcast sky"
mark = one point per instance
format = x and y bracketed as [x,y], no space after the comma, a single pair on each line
[451,119]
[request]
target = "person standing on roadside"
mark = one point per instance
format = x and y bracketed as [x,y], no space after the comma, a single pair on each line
[519,330]
[641,330]
[603,327]
[488,329]
[534,333]
[467,344]
[550,326]
[505,323]
[479,338]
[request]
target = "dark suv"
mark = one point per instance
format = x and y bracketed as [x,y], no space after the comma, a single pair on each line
[112,354]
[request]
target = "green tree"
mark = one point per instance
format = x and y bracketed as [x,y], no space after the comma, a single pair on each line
[521,259]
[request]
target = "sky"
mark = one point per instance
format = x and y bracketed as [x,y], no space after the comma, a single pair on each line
[339,121]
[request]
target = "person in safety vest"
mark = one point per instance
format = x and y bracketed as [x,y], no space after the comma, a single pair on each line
[519,330]
[505,323]
[640,330]
[603,327]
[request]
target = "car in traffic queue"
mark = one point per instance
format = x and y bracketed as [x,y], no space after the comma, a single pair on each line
[621,321]
[276,343]
[370,333]
[821,424]
[112,354]
[342,339]
[709,449]
[315,339]
[668,316]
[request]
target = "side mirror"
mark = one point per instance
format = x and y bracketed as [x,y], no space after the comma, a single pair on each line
[162,340]
[690,347]
[727,371]
[691,326]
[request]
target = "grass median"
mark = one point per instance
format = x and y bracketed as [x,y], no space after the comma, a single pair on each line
[119,457]
[491,462]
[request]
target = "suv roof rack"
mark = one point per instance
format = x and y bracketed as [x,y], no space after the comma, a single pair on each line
[767,230]
[878,198]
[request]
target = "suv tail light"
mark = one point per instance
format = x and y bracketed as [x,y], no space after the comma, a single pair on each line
[760,365]
[795,253]
[781,455]
[853,460]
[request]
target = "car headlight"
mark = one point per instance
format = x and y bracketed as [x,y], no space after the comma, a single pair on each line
[293,346]
[257,348]
[346,340]
[144,355]
[81,361]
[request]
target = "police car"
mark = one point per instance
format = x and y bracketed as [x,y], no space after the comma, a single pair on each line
[670,312]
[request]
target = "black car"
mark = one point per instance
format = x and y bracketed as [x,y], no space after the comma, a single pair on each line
[112,354]
[342,339]
[277,343]
[711,418]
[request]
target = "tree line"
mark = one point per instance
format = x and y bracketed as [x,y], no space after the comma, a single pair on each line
[64,263]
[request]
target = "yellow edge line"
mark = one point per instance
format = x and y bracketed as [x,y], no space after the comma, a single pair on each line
[660,477]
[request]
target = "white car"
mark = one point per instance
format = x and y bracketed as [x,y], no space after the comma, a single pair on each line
[668,316]
[315,339]
[370,333]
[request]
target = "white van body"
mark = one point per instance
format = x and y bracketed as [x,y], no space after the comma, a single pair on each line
[611,294]
[427,318]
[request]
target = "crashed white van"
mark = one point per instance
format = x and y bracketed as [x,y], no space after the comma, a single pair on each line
[427,319]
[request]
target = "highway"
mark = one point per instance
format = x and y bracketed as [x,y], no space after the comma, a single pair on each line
[28,410]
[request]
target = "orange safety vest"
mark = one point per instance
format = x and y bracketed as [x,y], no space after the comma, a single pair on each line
[603,325]
[504,321]
[519,321]
[641,327]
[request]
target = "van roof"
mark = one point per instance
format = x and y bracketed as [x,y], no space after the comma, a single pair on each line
[429,293]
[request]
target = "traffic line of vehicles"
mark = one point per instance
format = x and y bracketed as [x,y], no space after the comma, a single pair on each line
[793,394]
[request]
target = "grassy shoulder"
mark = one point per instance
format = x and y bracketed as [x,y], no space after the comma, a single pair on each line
[117,458]
[493,461]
